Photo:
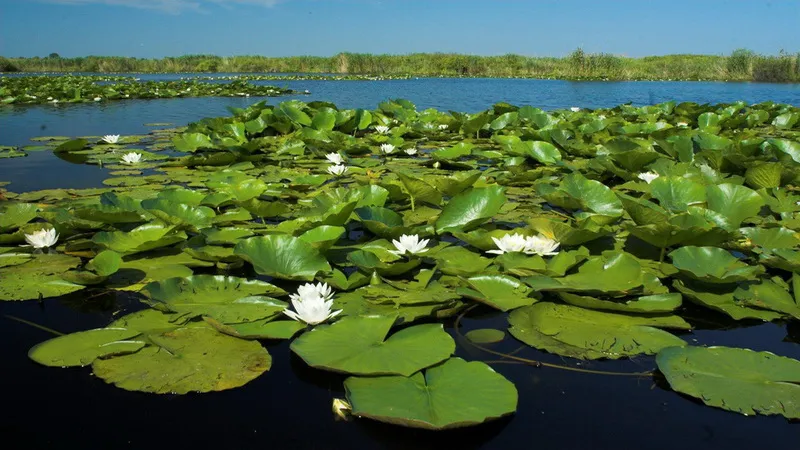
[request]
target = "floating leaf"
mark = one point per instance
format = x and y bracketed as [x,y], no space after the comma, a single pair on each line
[485,336]
[451,395]
[498,291]
[227,299]
[712,265]
[39,277]
[281,256]
[735,379]
[470,209]
[83,347]
[586,334]
[358,345]
[186,360]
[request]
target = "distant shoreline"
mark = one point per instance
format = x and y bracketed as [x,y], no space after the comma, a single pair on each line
[741,65]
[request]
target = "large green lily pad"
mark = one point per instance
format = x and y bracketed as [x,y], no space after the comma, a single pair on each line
[39,277]
[586,334]
[712,265]
[735,379]
[282,256]
[453,394]
[498,291]
[227,299]
[186,360]
[358,345]
[83,347]
[471,208]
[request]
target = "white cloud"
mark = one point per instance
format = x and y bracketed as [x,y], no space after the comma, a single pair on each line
[168,6]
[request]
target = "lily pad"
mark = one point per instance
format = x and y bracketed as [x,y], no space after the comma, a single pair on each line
[83,347]
[282,256]
[225,298]
[498,291]
[186,360]
[586,334]
[38,278]
[735,379]
[451,395]
[358,345]
[485,336]
[470,209]
[712,265]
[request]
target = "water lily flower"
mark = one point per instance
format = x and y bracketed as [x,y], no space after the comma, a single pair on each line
[409,244]
[601,117]
[97,99]
[682,124]
[382,129]
[311,290]
[387,148]
[541,245]
[312,304]
[647,176]
[443,126]
[42,238]
[341,408]
[337,169]
[131,158]
[335,158]
[410,151]
[574,109]
[509,243]
[111,138]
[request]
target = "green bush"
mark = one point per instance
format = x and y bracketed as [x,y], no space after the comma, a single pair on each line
[739,62]
[778,69]
[7,66]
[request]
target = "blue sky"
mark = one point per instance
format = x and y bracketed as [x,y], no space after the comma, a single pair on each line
[157,28]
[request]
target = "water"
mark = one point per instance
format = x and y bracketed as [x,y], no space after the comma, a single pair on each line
[19,124]
[289,406]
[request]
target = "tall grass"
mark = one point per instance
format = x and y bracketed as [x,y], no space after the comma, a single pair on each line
[741,65]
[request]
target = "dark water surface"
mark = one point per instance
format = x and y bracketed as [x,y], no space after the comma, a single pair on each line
[289,406]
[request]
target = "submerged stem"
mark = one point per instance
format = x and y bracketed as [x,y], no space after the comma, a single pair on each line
[33,324]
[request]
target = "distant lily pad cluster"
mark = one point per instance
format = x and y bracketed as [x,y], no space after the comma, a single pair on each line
[42,89]
[355,233]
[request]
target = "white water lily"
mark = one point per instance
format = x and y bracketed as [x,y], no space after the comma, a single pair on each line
[443,126]
[311,290]
[647,176]
[409,244]
[387,148]
[42,238]
[111,138]
[574,109]
[682,124]
[97,99]
[410,151]
[335,158]
[382,129]
[337,169]
[601,117]
[131,158]
[509,243]
[541,245]
[312,304]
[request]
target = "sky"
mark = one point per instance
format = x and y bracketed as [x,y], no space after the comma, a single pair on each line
[158,28]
